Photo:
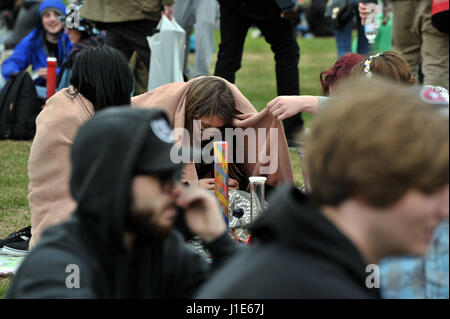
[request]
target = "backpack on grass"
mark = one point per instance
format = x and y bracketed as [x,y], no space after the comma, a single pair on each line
[19,107]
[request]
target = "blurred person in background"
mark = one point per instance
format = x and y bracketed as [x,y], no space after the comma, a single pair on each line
[128,24]
[388,65]
[24,23]
[46,40]
[201,16]
[414,36]
[277,25]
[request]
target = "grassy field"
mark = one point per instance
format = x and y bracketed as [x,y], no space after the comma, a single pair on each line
[256,80]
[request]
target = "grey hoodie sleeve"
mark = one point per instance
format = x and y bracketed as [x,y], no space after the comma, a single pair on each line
[47,274]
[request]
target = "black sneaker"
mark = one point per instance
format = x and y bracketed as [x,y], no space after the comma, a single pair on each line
[16,244]
[17,249]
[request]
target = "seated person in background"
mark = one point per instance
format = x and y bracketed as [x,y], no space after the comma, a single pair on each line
[284,106]
[82,34]
[219,104]
[46,40]
[101,78]
[120,240]
[380,186]
[388,65]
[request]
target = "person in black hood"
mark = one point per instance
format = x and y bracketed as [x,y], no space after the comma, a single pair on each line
[120,242]
[378,189]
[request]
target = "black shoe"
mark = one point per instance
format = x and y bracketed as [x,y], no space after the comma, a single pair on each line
[16,244]
[17,249]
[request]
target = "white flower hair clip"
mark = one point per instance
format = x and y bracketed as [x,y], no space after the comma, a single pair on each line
[367,71]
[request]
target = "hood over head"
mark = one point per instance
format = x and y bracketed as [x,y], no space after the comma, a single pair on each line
[293,220]
[56,5]
[108,151]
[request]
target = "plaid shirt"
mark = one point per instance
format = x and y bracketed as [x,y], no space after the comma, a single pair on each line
[419,278]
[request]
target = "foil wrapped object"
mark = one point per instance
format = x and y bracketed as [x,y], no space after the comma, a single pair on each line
[236,227]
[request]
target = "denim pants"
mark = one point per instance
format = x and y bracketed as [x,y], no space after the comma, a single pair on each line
[344,34]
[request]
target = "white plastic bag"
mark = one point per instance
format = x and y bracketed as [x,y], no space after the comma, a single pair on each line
[166,53]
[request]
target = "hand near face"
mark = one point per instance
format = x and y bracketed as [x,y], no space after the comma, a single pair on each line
[202,213]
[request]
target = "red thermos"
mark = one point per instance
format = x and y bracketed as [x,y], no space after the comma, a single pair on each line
[51,76]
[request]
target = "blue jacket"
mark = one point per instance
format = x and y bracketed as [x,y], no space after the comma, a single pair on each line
[32,49]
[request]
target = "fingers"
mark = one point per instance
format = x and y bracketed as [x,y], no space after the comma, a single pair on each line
[278,112]
[207,183]
[190,196]
[233,184]
[272,103]
[283,116]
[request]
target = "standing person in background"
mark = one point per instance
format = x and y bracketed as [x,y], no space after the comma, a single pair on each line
[24,23]
[46,40]
[343,33]
[128,24]
[200,14]
[418,41]
[278,28]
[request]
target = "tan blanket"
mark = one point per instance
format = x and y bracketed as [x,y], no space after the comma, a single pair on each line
[49,164]
[273,153]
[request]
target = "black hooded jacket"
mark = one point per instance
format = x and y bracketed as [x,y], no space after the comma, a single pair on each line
[92,241]
[299,254]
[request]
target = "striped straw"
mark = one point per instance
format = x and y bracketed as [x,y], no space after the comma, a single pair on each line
[221,176]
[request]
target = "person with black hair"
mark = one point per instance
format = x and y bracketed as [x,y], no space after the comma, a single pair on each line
[101,78]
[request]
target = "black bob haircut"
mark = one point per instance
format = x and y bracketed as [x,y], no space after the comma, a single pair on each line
[102,75]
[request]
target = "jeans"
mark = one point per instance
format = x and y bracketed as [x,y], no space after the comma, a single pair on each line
[281,36]
[344,34]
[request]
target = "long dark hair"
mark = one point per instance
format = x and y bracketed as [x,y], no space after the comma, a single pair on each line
[103,76]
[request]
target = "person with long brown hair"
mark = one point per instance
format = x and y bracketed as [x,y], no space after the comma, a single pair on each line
[219,105]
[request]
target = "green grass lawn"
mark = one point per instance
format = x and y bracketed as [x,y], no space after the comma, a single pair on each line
[256,80]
